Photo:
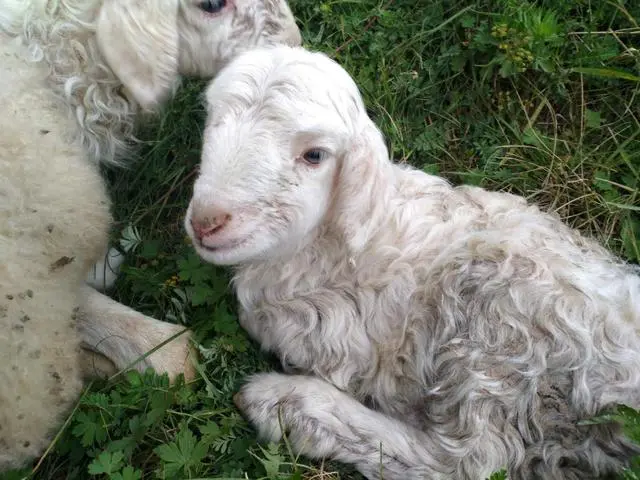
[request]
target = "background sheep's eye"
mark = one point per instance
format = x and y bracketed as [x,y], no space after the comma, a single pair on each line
[213,6]
[315,156]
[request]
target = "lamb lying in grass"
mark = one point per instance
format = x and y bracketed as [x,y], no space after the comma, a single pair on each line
[54,207]
[431,331]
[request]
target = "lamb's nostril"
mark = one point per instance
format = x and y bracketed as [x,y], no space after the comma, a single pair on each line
[206,226]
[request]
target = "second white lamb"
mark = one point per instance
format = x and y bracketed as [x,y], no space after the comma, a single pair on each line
[430,331]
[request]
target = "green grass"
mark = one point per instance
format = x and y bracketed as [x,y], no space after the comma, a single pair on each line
[538,98]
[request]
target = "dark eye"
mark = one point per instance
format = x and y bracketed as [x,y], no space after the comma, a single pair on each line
[314,156]
[213,6]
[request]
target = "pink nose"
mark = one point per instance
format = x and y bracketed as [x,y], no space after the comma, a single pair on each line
[206,222]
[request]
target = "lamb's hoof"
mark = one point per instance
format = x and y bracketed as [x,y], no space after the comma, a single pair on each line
[104,273]
[94,365]
[267,401]
[174,358]
[239,402]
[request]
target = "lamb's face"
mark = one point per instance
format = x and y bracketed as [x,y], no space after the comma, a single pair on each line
[215,31]
[276,131]
[149,44]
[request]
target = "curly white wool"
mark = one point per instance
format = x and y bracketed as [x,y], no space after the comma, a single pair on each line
[436,331]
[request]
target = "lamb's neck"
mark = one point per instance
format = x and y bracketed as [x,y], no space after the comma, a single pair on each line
[318,258]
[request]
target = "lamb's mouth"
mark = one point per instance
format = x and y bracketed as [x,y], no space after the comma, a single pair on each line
[227,246]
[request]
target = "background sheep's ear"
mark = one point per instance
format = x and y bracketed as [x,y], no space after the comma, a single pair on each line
[363,187]
[139,40]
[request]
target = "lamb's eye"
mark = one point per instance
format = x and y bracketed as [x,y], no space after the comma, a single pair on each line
[314,156]
[213,6]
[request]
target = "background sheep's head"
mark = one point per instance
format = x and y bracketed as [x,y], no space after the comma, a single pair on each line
[288,148]
[149,43]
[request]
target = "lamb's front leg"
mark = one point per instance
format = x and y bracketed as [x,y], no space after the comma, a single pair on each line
[324,422]
[123,335]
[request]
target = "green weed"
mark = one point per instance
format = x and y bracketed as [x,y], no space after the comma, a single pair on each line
[539,98]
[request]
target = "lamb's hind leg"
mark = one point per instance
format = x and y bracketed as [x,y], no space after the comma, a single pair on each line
[324,422]
[123,335]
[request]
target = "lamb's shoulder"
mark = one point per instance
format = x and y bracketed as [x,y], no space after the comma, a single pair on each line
[428,216]
[415,188]
[455,229]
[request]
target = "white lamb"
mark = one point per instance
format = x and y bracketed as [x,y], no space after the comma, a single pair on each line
[54,208]
[436,332]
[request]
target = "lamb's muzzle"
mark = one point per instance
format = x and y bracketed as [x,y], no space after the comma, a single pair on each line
[206,222]
[439,332]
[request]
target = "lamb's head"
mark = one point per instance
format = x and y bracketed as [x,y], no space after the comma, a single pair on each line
[149,43]
[289,152]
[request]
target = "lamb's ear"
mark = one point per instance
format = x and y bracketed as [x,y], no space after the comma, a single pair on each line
[139,40]
[363,187]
